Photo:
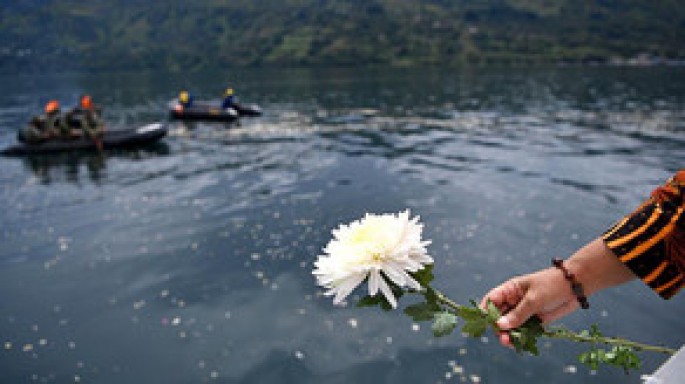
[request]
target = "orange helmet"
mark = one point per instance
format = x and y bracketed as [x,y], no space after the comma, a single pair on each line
[86,102]
[52,106]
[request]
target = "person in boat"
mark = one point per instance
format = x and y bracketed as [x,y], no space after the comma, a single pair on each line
[648,244]
[48,125]
[86,118]
[229,99]
[185,99]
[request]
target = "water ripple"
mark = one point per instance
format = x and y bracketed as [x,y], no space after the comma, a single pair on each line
[199,251]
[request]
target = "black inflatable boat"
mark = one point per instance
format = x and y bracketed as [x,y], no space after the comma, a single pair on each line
[248,109]
[205,111]
[115,138]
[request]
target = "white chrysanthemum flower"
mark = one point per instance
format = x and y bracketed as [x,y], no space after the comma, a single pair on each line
[377,247]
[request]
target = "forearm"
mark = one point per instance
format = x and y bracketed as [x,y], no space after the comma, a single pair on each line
[596,267]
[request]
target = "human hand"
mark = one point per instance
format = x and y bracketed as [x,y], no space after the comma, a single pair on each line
[545,294]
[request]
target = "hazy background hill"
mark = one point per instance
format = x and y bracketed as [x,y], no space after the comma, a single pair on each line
[181,34]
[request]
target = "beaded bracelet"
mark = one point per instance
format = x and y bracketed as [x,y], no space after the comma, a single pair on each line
[576,287]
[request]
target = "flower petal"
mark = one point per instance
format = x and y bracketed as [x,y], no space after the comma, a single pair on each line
[374,282]
[394,272]
[387,292]
[413,284]
[347,286]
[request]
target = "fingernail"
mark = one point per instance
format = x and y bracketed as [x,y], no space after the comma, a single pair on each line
[504,322]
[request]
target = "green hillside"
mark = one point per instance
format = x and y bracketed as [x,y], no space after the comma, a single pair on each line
[181,34]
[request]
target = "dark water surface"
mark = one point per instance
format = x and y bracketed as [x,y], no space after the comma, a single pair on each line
[190,261]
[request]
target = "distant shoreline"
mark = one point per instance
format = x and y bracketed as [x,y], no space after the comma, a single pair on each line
[645,61]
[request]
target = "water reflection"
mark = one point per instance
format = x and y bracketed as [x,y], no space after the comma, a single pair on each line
[79,166]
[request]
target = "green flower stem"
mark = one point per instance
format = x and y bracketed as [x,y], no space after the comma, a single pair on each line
[562,333]
[446,300]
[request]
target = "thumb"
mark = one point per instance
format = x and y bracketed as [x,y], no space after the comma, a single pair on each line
[517,316]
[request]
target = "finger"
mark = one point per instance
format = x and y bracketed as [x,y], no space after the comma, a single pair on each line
[518,315]
[559,312]
[515,291]
[504,296]
[505,339]
[495,295]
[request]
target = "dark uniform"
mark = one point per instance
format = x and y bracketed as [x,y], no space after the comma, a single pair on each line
[229,99]
[86,118]
[185,99]
[44,127]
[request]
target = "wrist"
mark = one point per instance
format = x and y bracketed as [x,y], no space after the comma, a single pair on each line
[576,287]
[583,274]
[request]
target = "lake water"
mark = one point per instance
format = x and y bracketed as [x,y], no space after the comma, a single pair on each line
[190,261]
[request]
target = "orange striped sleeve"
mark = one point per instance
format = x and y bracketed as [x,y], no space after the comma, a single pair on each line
[651,240]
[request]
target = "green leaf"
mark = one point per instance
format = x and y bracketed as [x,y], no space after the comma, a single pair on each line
[424,276]
[590,359]
[594,331]
[431,297]
[476,321]
[475,328]
[526,336]
[624,357]
[470,313]
[493,313]
[443,323]
[421,311]
[369,301]
[619,356]
[372,301]
[534,326]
